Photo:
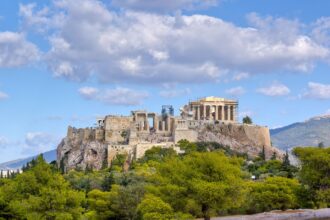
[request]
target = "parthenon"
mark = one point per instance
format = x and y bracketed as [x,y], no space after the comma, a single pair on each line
[211,108]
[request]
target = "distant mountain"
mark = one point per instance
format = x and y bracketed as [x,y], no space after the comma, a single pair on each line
[307,133]
[17,164]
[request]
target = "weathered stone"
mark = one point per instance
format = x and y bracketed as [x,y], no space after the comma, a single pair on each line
[133,135]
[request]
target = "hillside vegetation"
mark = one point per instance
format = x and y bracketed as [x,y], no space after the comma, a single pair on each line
[208,180]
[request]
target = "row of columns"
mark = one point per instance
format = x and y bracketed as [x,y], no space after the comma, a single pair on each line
[157,125]
[223,113]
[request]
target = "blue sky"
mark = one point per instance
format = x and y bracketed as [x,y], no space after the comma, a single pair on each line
[65,63]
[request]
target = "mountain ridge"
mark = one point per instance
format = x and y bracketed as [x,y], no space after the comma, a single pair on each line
[49,156]
[310,132]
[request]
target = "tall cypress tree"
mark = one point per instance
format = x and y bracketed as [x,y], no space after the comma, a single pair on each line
[262,154]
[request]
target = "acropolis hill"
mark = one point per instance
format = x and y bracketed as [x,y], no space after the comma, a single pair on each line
[209,119]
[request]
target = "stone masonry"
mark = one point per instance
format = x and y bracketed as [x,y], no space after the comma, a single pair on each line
[207,119]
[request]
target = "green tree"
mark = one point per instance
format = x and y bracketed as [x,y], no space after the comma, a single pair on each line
[286,165]
[187,146]
[262,154]
[321,145]
[41,193]
[154,208]
[247,120]
[158,154]
[314,173]
[274,156]
[198,180]
[99,205]
[272,193]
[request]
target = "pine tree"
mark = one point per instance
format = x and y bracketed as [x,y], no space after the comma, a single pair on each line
[286,166]
[62,166]
[247,120]
[274,156]
[108,181]
[262,154]
[321,145]
[286,160]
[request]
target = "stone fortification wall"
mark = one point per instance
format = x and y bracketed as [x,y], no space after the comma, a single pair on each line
[190,135]
[243,138]
[95,147]
[115,128]
[134,152]
[143,147]
[114,150]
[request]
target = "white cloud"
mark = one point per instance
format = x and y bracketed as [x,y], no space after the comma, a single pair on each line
[3,96]
[236,91]
[327,112]
[164,6]
[88,92]
[244,113]
[15,50]
[141,47]
[3,142]
[117,96]
[241,76]
[317,91]
[38,142]
[172,93]
[276,89]
[321,31]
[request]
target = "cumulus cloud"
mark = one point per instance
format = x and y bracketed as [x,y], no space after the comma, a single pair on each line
[37,142]
[244,113]
[164,6]
[142,47]
[276,89]
[236,91]
[3,142]
[317,91]
[15,50]
[117,96]
[172,93]
[89,92]
[321,31]
[3,96]
[241,76]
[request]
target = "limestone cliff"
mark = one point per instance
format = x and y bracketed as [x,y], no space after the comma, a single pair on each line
[87,147]
[242,138]
[80,149]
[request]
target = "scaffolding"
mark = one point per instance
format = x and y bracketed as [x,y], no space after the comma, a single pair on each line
[167,110]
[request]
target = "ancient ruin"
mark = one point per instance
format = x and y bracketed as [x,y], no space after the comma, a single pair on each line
[206,119]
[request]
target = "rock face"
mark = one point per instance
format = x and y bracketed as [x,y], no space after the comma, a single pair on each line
[81,150]
[87,148]
[243,138]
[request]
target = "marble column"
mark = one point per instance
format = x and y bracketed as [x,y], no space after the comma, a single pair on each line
[216,112]
[204,112]
[198,112]
[163,125]
[155,123]
[168,122]
[225,113]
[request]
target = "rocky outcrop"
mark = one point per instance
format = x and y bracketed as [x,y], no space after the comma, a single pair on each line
[80,150]
[88,148]
[243,138]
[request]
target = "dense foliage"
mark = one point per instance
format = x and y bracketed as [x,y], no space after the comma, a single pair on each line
[207,180]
